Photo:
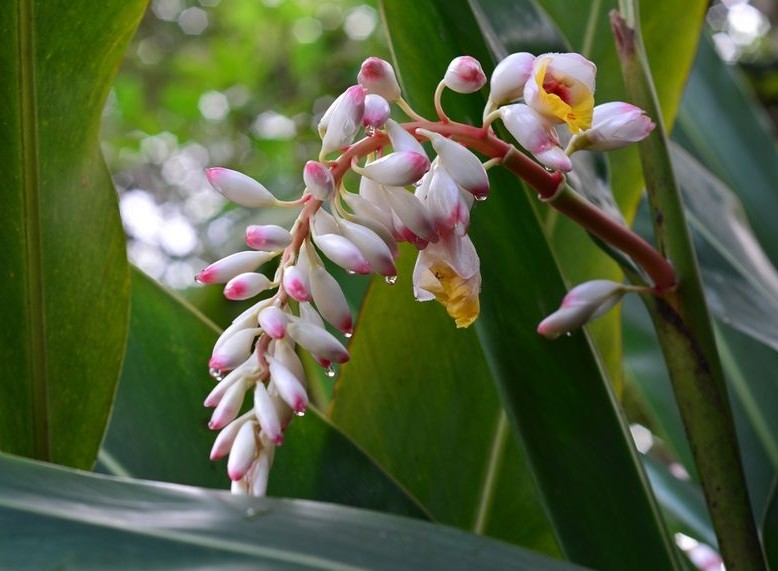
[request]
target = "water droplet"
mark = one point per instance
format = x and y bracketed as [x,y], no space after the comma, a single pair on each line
[481,197]
[348,334]
[329,371]
[351,272]
[216,373]
[391,280]
[569,334]
[370,130]
[549,169]
[299,412]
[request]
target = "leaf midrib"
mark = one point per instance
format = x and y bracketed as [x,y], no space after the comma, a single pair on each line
[36,339]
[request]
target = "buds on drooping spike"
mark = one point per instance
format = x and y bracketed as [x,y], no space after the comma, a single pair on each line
[241,372]
[561,89]
[402,140]
[329,299]
[261,470]
[377,111]
[272,320]
[400,168]
[446,203]
[227,268]
[267,415]
[464,75]
[246,285]
[377,76]
[509,77]
[229,406]
[284,352]
[536,135]
[343,252]
[371,202]
[245,320]
[295,283]
[242,453]
[412,213]
[318,341]
[318,180]
[460,162]
[239,188]
[289,387]
[614,125]
[225,438]
[234,350]
[344,120]
[267,237]
[372,247]
[582,304]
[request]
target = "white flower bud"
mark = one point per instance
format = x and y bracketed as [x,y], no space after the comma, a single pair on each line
[372,247]
[330,300]
[244,448]
[284,351]
[273,320]
[343,252]
[267,415]
[400,168]
[377,111]
[227,268]
[377,76]
[223,442]
[239,188]
[295,283]
[582,304]
[536,135]
[233,351]
[509,77]
[289,387]
[229,406]
[412,213]
[267,237]
[402,140]
[308,313]
[318,180]
[246,285]
[464,75]
[460,162]
[614,125]
[318,341]
[345,120]
[261,470]
[446,203]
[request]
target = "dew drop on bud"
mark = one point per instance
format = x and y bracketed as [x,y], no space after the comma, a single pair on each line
[299,412]
[481,197]
[548,169]
[329,371]
[351,272]
[391,280]
[348,334]
[568,334]
[215,373]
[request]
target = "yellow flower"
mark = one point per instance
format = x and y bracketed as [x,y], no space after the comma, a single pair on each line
[561,89]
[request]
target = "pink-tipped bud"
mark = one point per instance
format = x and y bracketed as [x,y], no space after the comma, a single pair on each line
[614,125]
[244,448]
[260,471]
[464,75]
[402,140]
[330,300]
[582,304]
[216,395]
[377,111]
[233,351]
[412,213]
[344,120]
[296,284]
[239,188]
[509,77]
[377,76]
[318,341]
[273,321]
[267,237]
[446,203]
[463,166]
[267,415]
[371,202]
[223,442]
[289,387]
[318,180]
[229,406]
[284,351]
[247,285]
[372,246]
[400,168]
[308,313]
[343,252]
[227,268]
[536,134]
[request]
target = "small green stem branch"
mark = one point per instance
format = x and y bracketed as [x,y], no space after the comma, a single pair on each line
[684,329]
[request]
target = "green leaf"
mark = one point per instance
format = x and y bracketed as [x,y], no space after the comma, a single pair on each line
[534,376]
[50,517]
[158,428]
[64,279]
[770,528]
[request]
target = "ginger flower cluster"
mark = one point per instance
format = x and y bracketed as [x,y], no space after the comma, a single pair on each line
[406,192]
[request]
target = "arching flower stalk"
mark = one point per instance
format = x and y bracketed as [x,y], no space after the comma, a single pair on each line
[402,196]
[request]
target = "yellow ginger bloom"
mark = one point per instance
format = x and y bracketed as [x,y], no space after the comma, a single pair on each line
[561,89]
[449,271]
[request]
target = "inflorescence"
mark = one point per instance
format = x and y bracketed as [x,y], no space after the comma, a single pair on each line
[402,196]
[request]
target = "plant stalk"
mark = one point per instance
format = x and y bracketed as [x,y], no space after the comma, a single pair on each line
[683,325]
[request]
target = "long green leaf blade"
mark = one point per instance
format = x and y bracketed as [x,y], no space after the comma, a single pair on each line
[64,279]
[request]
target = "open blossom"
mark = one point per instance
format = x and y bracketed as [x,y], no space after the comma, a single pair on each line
[615,125]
